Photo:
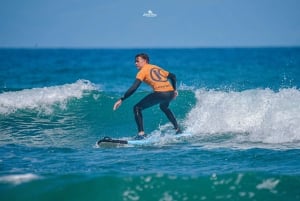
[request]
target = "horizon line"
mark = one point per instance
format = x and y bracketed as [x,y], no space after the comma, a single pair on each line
[152,47]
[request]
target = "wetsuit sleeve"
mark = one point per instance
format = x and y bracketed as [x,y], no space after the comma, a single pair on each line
[172,78]
[132,89]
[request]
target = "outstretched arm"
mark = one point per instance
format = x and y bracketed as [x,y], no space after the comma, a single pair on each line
[132,89]
[128,93]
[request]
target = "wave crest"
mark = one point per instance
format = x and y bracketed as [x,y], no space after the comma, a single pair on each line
[18,178]
[43,98]
[267,116]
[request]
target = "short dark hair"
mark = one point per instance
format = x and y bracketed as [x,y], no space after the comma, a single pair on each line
[144,56]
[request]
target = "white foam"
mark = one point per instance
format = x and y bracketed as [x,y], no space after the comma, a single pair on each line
[42,98]
[266,116]
[269,184]
[18,178]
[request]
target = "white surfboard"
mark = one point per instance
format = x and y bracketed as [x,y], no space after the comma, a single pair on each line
[108,141]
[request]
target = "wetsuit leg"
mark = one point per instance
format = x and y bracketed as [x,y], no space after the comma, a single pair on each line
[146,102]
[165,108]
[138,116]
[164,98]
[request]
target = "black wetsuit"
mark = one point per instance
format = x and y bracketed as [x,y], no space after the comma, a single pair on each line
[162,98]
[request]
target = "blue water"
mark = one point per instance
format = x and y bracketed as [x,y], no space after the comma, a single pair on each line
[240,105]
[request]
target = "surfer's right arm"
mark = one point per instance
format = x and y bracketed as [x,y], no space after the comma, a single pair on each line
[128,93]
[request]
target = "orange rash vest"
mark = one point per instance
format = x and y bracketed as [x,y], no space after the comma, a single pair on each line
[156,77]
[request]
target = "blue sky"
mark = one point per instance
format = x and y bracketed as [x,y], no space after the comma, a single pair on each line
[120,23]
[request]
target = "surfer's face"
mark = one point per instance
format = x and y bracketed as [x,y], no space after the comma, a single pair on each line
[140,62]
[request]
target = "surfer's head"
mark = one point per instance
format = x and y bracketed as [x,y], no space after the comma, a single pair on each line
[143,56]
[141,59]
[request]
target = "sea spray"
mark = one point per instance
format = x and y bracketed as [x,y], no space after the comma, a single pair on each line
[267,116]
[43,98]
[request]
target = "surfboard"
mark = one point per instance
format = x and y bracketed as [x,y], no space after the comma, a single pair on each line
[108,141]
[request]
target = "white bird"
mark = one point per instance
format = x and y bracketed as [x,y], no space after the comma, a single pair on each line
[149,14]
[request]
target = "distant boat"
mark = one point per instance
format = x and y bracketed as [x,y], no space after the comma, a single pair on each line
[149,14]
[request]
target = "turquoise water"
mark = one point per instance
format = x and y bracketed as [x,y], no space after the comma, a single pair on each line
[240,105]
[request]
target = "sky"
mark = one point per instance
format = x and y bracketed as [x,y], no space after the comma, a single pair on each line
[122,23]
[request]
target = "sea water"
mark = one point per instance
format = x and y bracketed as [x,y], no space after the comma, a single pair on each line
[240,105]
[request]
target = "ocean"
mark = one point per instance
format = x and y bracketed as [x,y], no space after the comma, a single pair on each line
[241,105]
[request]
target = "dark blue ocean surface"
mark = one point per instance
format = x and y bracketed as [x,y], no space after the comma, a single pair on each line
[236,69]
[241,107]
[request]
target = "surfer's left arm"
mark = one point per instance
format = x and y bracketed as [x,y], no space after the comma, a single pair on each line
[128,93]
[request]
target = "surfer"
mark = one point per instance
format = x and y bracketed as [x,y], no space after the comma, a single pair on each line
[164,91]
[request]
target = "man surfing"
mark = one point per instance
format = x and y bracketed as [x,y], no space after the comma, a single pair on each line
[163,93]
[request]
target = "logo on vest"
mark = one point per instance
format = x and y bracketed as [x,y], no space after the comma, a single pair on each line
[157,76]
